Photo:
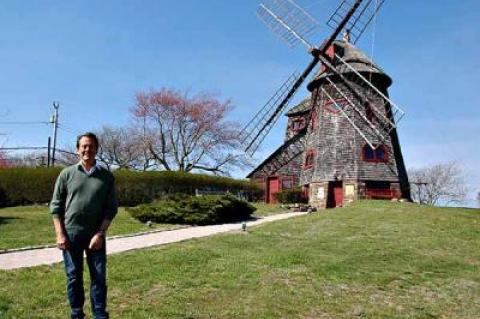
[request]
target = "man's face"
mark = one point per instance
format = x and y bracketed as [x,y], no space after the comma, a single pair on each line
[87,150]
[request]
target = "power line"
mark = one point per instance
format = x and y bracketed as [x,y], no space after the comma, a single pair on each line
[66,152]
[24,123]
[66,129]
[23,148]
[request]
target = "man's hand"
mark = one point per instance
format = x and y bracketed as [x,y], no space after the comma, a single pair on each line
[96,242]
[62,242]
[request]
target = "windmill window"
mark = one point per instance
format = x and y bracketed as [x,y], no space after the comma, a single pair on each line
[287,182]
[298,124]
[309,159]
[369,113]
[380,154]
[374,155]
[333,107]
[368,153]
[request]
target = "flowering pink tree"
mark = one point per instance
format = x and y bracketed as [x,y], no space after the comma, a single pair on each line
[3,160]
[188,133]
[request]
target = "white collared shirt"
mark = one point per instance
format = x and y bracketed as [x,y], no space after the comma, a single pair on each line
[90,171]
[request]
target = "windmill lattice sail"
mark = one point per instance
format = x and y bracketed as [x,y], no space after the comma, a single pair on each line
[353,76]
[288,20]
[294,148]
[257,129]
[360,19]
[362,95]
[345,145]
[293,23]
[351,110]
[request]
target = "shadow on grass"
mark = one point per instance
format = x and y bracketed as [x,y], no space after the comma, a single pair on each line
[6,220]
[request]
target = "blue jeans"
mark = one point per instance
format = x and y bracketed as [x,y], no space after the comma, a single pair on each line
[97,262]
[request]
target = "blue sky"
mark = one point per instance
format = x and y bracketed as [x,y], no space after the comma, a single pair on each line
[93,56]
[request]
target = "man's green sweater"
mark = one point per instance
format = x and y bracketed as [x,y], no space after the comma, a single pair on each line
[83,201]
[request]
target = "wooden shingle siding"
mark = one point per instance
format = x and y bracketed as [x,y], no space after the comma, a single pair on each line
[338,147]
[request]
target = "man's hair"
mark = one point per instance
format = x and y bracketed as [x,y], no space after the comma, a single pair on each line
[89,135]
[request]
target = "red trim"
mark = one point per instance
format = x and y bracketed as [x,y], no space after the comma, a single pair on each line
[380,193]
[313,119]
[331,54]
[309,159]
[331,51]
[374,153]
[331,107]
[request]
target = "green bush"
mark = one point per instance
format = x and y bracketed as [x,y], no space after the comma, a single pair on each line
[290,196]
[22,186]
[134,188]
[194,210]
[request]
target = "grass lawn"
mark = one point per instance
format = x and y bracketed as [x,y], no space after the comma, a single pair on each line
[370,260]
[32,225]
[268,209]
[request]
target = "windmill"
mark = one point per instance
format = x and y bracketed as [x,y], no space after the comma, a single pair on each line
[352,151]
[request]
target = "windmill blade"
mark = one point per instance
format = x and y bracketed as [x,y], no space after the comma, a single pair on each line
[257,129]
[349,118]
[291,149]
[353,110]
[360,19]
[394,111]
[361,101]
[288,20]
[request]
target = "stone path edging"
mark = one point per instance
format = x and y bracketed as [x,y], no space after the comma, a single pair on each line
[117,244]
[12,250]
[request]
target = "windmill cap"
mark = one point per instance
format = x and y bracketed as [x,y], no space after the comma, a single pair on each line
[357,59]
[300,108]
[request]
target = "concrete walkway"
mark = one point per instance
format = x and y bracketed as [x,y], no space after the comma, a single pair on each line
[47,256]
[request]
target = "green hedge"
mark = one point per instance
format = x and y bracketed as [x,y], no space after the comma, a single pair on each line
[194,210]
[291,196]
[22,186]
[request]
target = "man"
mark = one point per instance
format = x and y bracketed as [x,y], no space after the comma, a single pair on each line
[83,205]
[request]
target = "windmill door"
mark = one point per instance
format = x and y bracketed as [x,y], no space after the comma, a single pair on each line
[335,194]
[273,187]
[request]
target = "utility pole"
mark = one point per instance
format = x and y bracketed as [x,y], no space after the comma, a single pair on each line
[48,150]
[54,121]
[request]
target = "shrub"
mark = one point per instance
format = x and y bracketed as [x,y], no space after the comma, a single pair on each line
[292,195]
[193,210]
[21,186]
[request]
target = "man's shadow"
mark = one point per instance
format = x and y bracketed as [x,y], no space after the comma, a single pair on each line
[6,220]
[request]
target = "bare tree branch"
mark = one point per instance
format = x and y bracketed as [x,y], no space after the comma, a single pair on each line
[438,183]
[189,133]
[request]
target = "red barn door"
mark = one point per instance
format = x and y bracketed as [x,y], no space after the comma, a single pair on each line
[335,194]
[273,187]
